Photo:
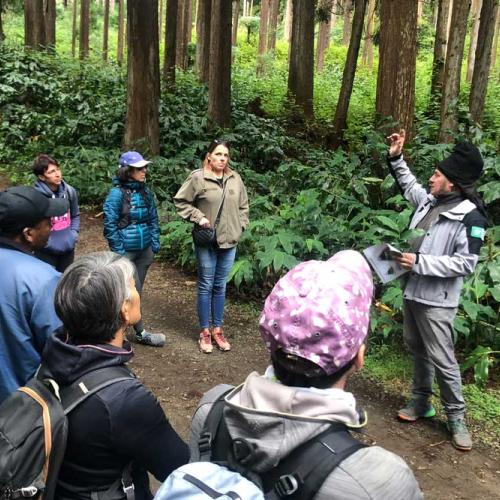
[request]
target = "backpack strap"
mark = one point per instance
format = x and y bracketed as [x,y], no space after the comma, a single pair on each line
[300,475]
[124,220]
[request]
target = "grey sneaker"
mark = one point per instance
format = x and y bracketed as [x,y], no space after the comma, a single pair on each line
[411,412]
[152,339]
[460,437]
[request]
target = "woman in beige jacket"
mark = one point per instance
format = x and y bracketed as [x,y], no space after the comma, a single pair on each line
[198,200]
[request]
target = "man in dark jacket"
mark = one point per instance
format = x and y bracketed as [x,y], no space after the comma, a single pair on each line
[27,315]
[453,219]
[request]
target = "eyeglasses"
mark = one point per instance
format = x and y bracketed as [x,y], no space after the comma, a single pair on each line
[141,169]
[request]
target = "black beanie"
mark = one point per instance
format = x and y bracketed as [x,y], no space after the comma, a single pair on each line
[464,165]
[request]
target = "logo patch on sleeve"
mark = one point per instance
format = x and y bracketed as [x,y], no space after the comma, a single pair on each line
[477,232]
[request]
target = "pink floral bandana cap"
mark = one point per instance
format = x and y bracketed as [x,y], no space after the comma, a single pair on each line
[320,311]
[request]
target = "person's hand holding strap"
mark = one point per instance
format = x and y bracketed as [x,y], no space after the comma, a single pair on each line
[204,222]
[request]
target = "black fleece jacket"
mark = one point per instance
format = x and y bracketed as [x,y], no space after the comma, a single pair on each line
[120,424]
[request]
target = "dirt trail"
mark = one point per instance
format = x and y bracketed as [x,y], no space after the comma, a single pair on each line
[178,374]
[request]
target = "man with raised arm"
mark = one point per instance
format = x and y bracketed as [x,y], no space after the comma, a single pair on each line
[453,220]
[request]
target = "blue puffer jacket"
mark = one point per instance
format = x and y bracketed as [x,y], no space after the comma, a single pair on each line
[143,231]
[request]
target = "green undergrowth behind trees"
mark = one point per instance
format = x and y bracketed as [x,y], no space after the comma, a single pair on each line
[306,202]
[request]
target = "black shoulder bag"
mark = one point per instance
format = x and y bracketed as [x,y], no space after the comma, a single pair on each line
[207,236]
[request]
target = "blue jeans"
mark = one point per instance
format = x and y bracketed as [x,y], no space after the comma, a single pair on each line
[214,265]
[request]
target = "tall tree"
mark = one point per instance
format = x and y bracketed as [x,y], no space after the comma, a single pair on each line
[160,21]
[74,28]
[50,25]
[397,60]
[367,57]
[219,82]
[2,34]
[340,120]
[325,23]
[452,70]
[263,26]
[301,65]
[495,41]
[183,33]
[105,31]
[142,127]
[474,13]
[121,29]
[84,28]
[34,25]
[287,33]
[236,17]
[170,41]
[482,65]
[274,10]
[440,43]
[346,32]
[203,38]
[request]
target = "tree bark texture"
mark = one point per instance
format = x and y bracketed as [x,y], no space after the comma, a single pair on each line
[263,26]
[160,21]
[323,40]
[74,30]
[170,41]
[219,83]
[346,32]
[181,58]
[105,31]
[367,57]
[273,24]
[474,12]
[452,70]
[288,20]
[203,38]
[84,28]
[143,77]
[482,65]
[396,71]
[440,43]
[236,17]
[495,42]
[301,65]
[340,120]
[34,25]
[50,25]
[121,32]
[2,34]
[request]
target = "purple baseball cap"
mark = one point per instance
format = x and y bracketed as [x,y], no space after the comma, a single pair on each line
[320,311]
[132,159]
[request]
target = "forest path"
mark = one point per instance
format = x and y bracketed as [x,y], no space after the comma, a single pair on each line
[178,375]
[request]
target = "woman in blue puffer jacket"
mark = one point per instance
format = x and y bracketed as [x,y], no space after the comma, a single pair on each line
[131,226]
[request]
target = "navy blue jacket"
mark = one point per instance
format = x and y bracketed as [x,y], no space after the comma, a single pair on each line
[143,230]
[120,424]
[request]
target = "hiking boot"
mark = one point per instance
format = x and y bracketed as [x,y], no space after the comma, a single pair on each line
[205,341]
[152,339]
[460,437]
[411,412]
[220,341]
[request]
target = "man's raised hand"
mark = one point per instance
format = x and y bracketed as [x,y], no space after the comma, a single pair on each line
[396,143]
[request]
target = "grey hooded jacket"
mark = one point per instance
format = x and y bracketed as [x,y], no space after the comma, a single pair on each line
[450,248]
[277,419]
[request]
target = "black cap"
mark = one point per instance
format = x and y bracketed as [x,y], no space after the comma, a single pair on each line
[24,206]
[464,165]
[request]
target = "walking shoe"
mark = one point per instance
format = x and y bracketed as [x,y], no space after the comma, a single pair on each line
[152,339]
[460,437]
[220,340]
[410,413]
[205,341]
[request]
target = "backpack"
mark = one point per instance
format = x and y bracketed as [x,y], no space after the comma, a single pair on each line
[124,220]
[298,476]
[34,430]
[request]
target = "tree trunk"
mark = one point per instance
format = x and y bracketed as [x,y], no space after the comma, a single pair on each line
[301,66]
[34,25]
[263,25]
[420,11]
[142,125]
[273,24]
[50,25]
[482,65]
[288,20]
[236,16]
[105,31]
[370,26]
[121,25]
[323,37]
[189,27]
[346,32]
[452,70]
[495,42]
[203,39]
[475,10]
[74,30]
[397,60]
[440,43]
[183,21]
[340,120]
[2,34]
[219,83]
[170,41]
[84,28]
[160,22]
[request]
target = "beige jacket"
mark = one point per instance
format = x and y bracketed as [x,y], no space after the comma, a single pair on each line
[200,196]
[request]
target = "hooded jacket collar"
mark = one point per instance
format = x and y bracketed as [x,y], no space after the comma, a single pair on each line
[61,191]
[132,185]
